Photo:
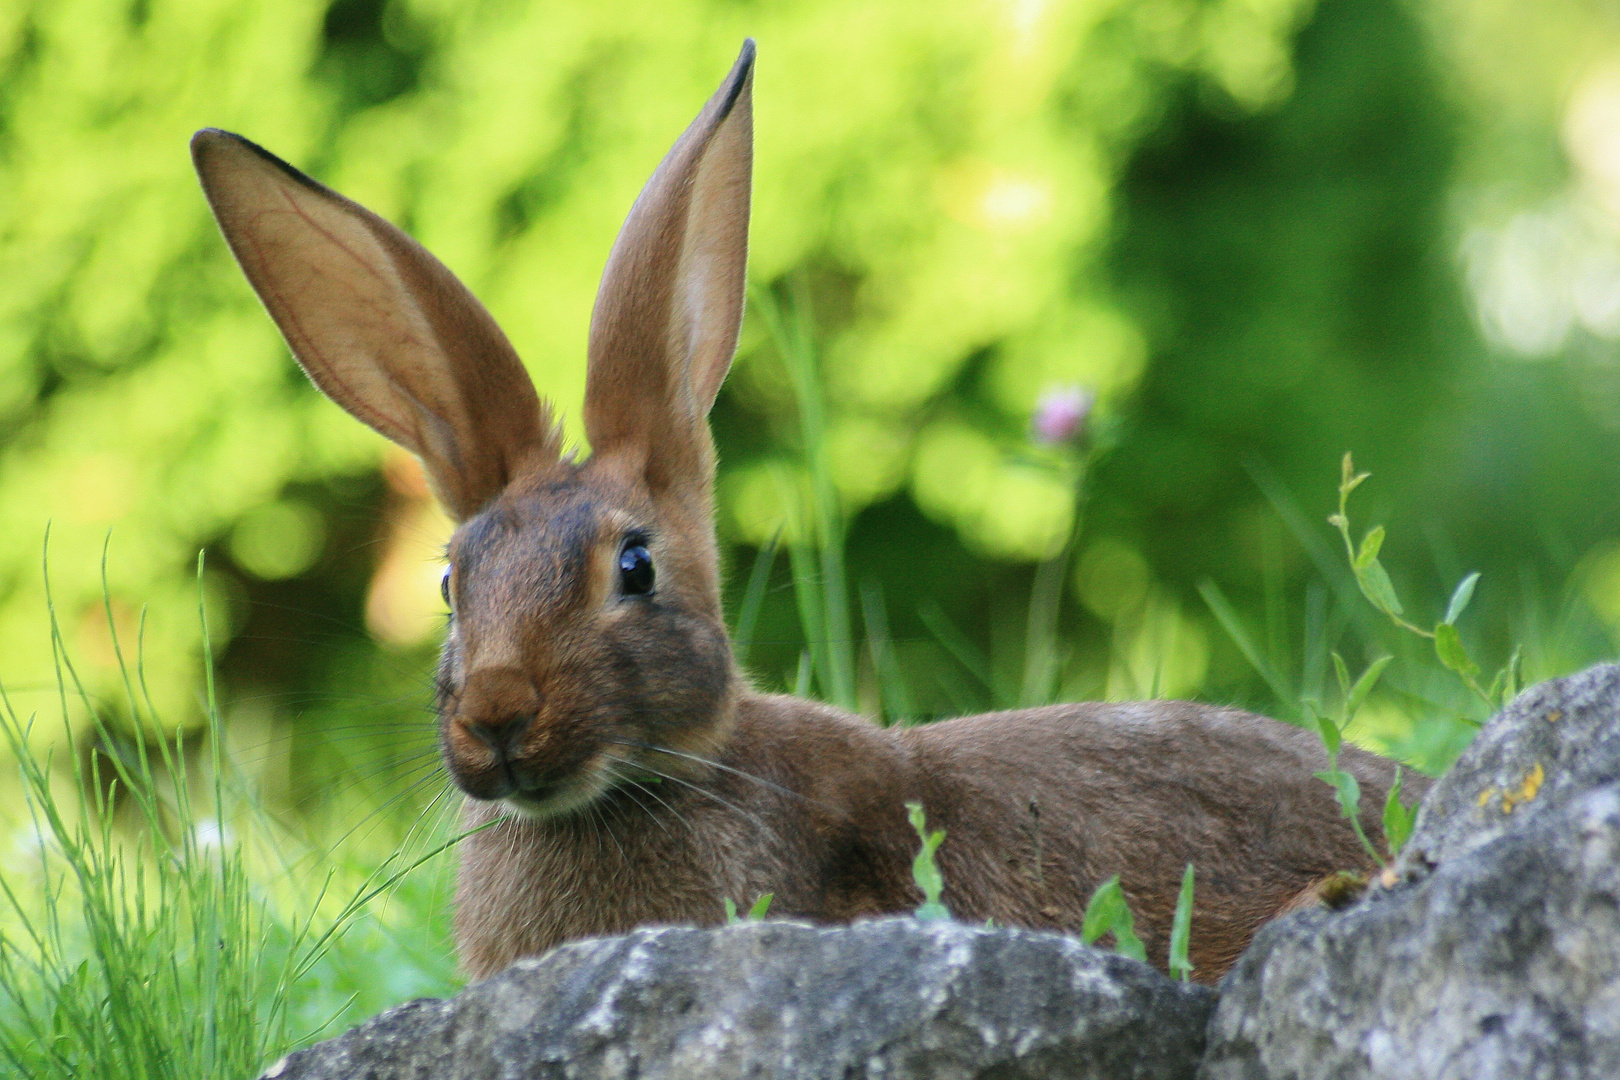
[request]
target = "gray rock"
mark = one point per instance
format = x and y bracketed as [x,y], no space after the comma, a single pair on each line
[1553,744]
[891,998]
[1495,953]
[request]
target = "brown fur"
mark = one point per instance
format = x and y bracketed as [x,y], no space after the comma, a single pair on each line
[630,772]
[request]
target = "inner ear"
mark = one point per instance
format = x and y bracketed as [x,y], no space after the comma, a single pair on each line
[667,316]
[380,325]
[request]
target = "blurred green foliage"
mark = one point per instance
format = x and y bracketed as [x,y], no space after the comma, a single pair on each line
[1244,223]
[1263,232]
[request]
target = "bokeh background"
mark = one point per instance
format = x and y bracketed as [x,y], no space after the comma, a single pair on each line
[1261,232]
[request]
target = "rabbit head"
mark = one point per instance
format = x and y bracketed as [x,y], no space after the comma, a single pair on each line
[586,630]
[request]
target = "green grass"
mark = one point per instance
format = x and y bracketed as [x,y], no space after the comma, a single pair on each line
[156,922]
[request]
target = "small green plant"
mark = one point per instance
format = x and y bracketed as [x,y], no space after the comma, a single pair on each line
[1331,728]
[924,871]
[754,914]
[1375,585]
[1181,929]
[1107,912]
[1397,818]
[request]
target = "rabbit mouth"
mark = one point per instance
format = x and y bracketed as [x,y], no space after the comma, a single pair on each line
[559,797]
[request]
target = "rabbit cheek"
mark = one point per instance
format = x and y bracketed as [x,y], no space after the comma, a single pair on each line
[677,672]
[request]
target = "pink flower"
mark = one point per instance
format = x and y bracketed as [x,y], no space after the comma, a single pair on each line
[1060,414]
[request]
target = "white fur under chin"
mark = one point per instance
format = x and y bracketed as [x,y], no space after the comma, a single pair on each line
[591,785]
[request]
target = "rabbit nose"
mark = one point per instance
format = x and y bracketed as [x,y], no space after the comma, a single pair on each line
[501,736]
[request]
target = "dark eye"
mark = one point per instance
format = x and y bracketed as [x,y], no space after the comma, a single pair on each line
[635,569]
[444,587]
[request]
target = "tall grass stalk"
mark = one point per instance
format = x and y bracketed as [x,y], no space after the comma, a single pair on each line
[893,692]
[816,548]
[1041,630]
[742,639]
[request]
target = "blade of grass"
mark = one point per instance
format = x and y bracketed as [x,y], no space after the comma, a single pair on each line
[753,598]
[956,643]
[891,680]
[1227,616]
[1041,633]
[809,597]
[1181,929]
[789,326]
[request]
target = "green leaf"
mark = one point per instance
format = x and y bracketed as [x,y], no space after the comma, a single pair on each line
[1367,554]
[1107,912]
[1349,479]
[1346,789]
[1227,616]
[1100,910]
[1397,818]
[1449,647]
[1331,736]
[1460,598]
[1508,678]
[1181,929]
[761,906]
[1376,587]
[1126,943]
[1310,710]
[731,910]
[1357,697]
[1343,672]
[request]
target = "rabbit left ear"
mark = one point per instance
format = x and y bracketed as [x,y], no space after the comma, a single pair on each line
[666,319]
[380,325]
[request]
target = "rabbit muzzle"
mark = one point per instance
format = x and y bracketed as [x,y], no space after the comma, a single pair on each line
[501,743]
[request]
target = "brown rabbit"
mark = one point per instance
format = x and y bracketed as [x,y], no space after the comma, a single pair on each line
[587,694]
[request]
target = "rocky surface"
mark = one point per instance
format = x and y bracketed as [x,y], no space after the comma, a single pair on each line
[891,998]
[1552,745]
[1493,951]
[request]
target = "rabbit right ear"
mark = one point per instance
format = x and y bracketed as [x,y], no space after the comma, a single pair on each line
[668,311]
[379,324]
